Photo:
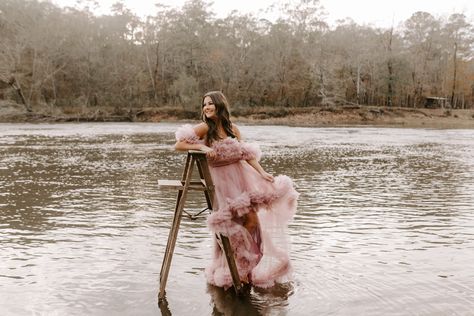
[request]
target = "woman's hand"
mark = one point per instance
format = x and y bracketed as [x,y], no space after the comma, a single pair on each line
[209,151]
[267,176]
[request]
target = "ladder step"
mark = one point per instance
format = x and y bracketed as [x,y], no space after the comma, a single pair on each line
[177,184]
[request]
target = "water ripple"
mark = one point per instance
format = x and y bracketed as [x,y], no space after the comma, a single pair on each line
[385,223]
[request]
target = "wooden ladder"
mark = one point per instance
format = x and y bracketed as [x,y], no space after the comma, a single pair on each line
[184,185]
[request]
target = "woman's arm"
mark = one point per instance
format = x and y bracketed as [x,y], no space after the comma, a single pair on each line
[200,130]
[253,162]
[183,146]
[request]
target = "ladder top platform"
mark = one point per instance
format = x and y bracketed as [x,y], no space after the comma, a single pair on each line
[197,152]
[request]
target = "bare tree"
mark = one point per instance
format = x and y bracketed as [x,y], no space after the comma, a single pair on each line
[460,36]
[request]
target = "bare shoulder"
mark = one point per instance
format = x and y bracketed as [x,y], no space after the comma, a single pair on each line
[201,129]
[236,131]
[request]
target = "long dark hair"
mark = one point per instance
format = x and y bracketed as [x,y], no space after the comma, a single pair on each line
[222,113]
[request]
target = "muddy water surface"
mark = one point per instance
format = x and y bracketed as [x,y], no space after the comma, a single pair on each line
[385,224]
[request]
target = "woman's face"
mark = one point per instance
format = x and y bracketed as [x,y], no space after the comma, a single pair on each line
[208,108]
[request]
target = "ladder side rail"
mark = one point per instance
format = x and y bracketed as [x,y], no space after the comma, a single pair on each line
[175,226]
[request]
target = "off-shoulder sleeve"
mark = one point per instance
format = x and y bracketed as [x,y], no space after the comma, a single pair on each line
[186,133]
[251,151]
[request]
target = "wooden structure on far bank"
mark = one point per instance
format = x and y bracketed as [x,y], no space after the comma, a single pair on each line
[436,102]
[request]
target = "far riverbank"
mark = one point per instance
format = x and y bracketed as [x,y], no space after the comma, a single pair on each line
[300,116]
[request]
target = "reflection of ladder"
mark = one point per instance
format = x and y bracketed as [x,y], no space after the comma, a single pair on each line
[204,184]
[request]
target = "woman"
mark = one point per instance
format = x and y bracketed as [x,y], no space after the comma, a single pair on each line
[253,207]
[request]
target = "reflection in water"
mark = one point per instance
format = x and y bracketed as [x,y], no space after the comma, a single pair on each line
[385,222]
[228,303]
[250,302]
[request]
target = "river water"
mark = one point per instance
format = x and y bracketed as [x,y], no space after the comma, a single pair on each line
[385,223]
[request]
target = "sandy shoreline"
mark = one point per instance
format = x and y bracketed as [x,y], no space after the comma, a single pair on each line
[309,117]
[376,116]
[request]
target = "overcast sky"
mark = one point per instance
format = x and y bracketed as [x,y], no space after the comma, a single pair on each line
[380,13]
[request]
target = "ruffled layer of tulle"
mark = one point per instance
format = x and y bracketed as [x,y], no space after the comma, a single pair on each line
[223,220]
[261,255]
[230,150]
[185,133]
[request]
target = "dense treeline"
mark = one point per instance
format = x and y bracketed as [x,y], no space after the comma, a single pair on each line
[70,58]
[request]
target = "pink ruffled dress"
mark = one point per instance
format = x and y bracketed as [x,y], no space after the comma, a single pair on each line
[260,247]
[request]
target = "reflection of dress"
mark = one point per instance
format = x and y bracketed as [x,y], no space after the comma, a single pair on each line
[260,250]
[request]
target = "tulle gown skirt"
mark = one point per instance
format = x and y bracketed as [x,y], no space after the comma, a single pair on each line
[254,214]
